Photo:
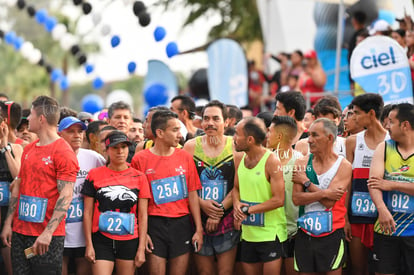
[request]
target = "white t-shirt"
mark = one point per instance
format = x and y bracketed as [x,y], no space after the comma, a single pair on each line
[88,160]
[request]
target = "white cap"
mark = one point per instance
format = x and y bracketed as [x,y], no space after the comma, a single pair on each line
[379,26]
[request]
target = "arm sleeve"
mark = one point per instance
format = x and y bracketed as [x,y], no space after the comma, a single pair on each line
[88,188]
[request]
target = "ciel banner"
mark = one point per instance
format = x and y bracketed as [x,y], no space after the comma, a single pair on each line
[380,65]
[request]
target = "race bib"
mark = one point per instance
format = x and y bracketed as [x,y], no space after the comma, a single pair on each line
[316,222]
[75,211]
[4,193]
[400,202]
[117,223]
[169,189]
[362,205]
[214,190]
[254,219]
[32,209]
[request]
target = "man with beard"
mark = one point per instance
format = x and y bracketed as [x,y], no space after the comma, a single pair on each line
[214,157]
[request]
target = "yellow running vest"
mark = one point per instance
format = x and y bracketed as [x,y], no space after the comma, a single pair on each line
[255,188]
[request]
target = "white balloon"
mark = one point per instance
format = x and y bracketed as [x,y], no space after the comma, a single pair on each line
[119,95]
[67,41]
[11,2]
[201,102]
[96,18]
[105,30]
[58,31]
[35,56]
[26,49]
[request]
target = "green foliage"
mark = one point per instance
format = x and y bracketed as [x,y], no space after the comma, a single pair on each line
[239,18]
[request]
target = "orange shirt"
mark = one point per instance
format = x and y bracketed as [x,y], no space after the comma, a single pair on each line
[116,191]
[41,167]
[164,174]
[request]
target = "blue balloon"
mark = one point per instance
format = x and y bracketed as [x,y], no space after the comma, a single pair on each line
[18,42]
[172,49]
[50,23]
[41,16]
[97,83]
[89,68]
[159,33]
[132,67]
[92,103]
[115,40]
[9,37]
[156,94]
[56,74]
[64,83]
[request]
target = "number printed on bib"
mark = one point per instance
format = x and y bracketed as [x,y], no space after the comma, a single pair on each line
[316,222]
[117,223]
[362,205]
[169,189]
[214,190]
[254,219]
[4,193]
[400,202]
[75,211]
[32,209]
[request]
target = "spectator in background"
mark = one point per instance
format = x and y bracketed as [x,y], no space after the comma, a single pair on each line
[296,59]
[380,27]
[185,108]
[292,104]
[12,113]
[92,135]
[3,97]
[256,79]
[136,132]
[280,76]
[384,116]
[234,115]
[399,36]
[313,78]
[351,127]
[358,20]
[406,23]
[22,130]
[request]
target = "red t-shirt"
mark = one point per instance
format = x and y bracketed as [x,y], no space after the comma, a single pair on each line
[41,167]
[116,191]
[162,167]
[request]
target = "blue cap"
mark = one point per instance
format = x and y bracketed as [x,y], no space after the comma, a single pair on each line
[69,121]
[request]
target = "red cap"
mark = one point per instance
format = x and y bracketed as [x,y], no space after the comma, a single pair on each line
[310,54]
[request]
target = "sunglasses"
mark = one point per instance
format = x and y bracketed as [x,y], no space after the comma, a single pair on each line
[8,104]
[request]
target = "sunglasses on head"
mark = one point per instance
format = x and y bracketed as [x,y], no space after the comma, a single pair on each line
[8,104]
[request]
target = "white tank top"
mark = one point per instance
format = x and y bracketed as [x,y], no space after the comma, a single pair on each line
[324,182]
[362,153]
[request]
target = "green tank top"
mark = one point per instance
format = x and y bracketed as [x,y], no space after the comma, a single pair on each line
[255,188]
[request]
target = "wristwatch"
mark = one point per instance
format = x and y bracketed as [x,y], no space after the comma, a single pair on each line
[245,210]
[220,205]
[306,184]
[5,148]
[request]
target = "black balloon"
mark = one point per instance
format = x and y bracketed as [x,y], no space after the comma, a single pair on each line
[31,11]
[82,59]
[86,8]
[77,2]
[49,68]
[41,62]
[21,4]
[144,19]
[198,84]
[74,49]
[138,7]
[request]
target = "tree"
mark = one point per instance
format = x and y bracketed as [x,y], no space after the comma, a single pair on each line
[239,18]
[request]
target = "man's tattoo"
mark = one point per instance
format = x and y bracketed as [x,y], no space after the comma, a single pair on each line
[12,206]
[62,205]
[61,184]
